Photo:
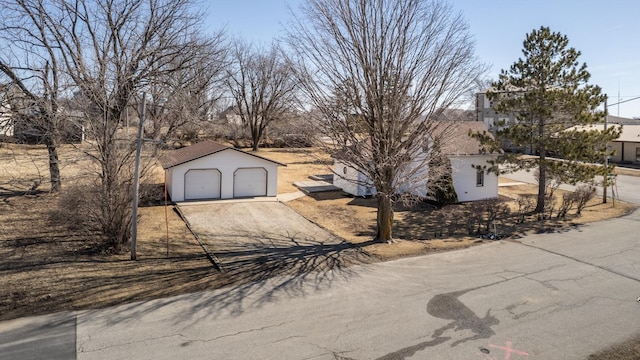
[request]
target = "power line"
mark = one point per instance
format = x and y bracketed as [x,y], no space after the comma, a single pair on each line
[624,101]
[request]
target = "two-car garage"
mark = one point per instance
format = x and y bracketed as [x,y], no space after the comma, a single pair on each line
[210,170]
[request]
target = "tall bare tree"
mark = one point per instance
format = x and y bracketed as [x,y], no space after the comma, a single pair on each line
[262,86]
[112,50]
[31,63]
[183,99]
[380,72]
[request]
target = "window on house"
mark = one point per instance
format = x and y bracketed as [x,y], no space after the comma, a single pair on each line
[637,154]
[480,178]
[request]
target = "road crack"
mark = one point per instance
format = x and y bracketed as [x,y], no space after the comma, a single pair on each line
[612,271]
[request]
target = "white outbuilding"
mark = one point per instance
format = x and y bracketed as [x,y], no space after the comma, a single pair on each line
[209,170]
[470,181]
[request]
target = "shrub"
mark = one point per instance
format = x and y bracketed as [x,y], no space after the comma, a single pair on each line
[493,210]
[453,219]
[473,219]
[583,194]
[106,215]
[549,207]
[525,205]
[440,221]
[568,201]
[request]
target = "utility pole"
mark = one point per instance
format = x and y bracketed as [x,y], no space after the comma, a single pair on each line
[136,181]
[605,179]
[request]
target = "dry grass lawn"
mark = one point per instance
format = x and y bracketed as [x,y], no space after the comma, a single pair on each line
[46,268]
[301,163]
[354,218]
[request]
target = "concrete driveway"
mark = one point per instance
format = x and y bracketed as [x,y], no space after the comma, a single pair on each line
[263,236]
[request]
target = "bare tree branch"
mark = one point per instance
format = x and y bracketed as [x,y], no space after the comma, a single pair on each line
[262,85]
[383,71]
[111,50]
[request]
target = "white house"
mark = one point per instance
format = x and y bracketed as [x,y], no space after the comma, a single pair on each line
[351,180]
[209,170]
[355,182]
[465,155]
[6,122]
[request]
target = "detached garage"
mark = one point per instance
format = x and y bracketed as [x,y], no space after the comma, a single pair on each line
[210,170]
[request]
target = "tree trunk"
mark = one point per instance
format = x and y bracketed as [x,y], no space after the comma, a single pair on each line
[54,164]
[255,137]
[51,141]
[542,181]
[385,218]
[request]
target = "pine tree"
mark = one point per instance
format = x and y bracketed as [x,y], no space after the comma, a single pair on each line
[548,92]
[442,186]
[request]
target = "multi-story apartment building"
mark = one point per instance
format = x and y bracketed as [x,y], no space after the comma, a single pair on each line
[495,121]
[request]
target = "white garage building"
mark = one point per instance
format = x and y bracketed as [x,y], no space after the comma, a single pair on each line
[209,170]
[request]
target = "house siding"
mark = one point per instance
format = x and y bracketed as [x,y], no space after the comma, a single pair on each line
[352,181]
[227,162]
[464,178]
[630,152]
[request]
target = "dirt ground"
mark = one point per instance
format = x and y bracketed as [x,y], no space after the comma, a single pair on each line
[45,268]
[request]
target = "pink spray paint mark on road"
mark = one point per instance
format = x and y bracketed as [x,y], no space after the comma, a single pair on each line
[508,350]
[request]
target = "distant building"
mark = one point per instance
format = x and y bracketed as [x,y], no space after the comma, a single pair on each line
[627,147]
[496,121]
[6,123]
[231,115]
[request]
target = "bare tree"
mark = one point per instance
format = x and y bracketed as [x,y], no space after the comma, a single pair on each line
[262,86]
[32,65]
[112,50]
[183,99]
[380,72]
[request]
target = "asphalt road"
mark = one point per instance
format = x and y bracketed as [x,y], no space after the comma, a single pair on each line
[549,296]
[553,296]
[39,338]
[627,187]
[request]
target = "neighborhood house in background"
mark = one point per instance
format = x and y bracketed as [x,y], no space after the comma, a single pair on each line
[462,150]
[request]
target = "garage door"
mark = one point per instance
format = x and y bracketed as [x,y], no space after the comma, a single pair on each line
[249,182]
[202,184]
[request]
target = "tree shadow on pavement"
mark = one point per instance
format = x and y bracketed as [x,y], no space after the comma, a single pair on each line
[268,268]
[45,268]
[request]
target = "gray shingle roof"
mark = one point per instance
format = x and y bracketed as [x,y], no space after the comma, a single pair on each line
[456,139]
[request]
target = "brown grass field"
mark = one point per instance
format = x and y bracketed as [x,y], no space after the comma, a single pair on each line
[46,268]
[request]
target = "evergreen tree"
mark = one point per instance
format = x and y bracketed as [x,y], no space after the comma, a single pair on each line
[442,184]
[548,92]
